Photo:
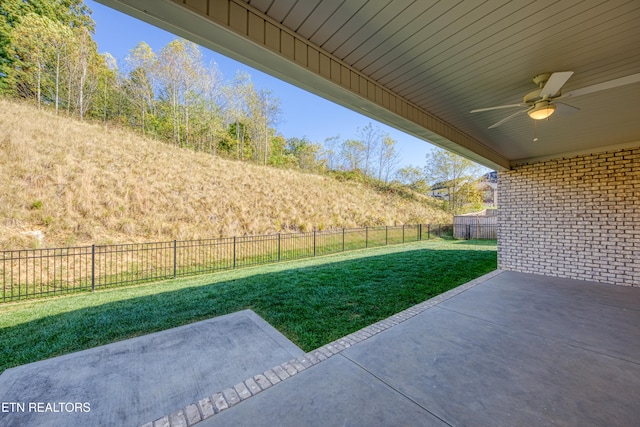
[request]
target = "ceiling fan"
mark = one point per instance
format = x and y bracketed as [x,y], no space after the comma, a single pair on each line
[542,102]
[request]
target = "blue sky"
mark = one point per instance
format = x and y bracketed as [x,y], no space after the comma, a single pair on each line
[303,114]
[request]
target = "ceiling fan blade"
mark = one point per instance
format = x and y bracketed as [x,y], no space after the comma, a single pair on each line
[565,109]
[555,83]
[517,113]
[499,107]
[633,78]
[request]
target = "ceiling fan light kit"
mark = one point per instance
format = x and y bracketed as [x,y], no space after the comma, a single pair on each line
[541,110]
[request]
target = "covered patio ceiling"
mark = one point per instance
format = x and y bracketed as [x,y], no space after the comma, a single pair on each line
[422,66]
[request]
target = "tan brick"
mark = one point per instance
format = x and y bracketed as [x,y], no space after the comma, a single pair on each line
[572,217]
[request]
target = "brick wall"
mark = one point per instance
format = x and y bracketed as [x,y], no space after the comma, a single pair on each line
[577,218]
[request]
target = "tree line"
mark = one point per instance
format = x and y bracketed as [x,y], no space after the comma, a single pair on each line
[48,55]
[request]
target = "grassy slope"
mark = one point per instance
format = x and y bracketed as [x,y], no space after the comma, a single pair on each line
[79,183]
[312,302]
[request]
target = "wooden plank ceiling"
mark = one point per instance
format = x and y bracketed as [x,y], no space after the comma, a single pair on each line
[423,65]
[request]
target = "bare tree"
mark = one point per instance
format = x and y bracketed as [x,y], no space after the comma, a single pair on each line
[211,114]
[142,62]
[371,139]
[265,112]
[60,52]
[86,59]
[238,96]
[331,153]
[388,158]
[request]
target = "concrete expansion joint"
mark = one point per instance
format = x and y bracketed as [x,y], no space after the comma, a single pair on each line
[212,405]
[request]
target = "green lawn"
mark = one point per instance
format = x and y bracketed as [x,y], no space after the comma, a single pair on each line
[312,302]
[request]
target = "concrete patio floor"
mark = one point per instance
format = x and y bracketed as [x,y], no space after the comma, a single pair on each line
[130,382]
[508,349]
[514,350]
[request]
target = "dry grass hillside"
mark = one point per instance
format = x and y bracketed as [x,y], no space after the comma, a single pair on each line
[66,182]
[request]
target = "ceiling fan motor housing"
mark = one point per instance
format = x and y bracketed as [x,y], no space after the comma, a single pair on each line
[541,79]
[532,97]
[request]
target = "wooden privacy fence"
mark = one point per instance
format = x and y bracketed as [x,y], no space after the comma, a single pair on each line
[33,273]
[479,225]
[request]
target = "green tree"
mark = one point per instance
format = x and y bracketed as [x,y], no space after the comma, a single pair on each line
[233,141]
[412,177]
[352,154]
[304,154]
[279,154]
[107,104]
[445,169]
[66,13]
[43,51]
[33,37]
[181,78]
[470,193]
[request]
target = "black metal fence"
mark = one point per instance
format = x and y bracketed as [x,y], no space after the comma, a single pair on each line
[34,273]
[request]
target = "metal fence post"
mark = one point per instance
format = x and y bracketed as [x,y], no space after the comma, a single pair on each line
[314,242]
[234,252]
[420,232]
[175,258]
[278,247]
[402,233]
[342,239]
[366,236]
[386,235]
[93,268]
